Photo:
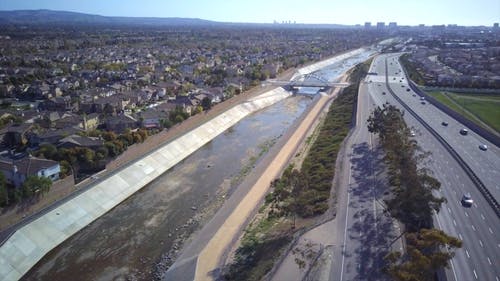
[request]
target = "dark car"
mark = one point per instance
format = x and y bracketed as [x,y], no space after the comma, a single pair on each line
[464,132]
[383,93]
[422,102]
[407,90]
[467,200]
[444,123]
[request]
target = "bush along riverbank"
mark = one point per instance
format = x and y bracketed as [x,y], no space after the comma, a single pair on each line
[412,201]
[300,195]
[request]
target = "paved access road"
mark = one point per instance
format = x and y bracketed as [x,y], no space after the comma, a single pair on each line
[368,233]
[478,226]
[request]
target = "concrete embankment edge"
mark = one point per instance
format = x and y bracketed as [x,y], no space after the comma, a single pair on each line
[31,242]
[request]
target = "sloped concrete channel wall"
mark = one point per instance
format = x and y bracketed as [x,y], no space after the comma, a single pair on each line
[32,241]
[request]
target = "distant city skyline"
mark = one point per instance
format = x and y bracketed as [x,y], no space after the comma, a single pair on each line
[428,12]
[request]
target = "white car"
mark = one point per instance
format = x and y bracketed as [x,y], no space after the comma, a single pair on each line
[483,147]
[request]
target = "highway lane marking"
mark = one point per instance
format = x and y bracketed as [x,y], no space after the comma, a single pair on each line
[483,217]
[467,215]
[489,261]
[474,271]
[467,253]
[491,231]
[473,228]
[454,222]
[460,236]
[449,210]
[496,277]
[481,243]
[451,261]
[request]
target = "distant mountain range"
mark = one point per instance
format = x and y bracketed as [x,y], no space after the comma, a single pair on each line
[36,17]
[51,17]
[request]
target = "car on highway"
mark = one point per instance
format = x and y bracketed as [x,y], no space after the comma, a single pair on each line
[414,95]
[383,93]
[412,133]
[444,123]
[408,90]
[467,200]
[483,147]
[464,132]
[422,98]
[422,102]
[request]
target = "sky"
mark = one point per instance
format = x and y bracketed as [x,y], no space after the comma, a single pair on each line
[410,12]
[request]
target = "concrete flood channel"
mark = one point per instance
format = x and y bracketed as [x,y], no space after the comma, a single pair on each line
[131,240]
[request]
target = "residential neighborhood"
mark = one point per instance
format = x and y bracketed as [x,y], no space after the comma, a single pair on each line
[457,57]
[80,98]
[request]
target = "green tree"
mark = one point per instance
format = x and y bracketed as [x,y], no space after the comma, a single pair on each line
[48,151]
[197,110]
[413,202]
[66,169]
[34,184]
[424,255]
[297,185]
[206,103]
[178,119]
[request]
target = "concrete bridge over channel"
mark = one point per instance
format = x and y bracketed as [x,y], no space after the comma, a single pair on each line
[306,80]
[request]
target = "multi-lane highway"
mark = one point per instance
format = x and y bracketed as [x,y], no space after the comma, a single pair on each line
[478,226]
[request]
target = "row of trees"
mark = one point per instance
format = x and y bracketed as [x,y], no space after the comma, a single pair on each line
[412,202]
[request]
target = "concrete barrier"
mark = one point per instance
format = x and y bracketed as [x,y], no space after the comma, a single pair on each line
[32,241]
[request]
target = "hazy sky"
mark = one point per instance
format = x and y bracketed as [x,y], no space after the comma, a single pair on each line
[412,12]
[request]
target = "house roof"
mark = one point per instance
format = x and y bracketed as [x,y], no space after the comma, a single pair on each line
[81,141]
[27,165]
[19,128]
[61,133]
[152,114]
[120,119]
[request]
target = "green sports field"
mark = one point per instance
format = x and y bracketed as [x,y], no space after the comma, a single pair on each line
[481,108]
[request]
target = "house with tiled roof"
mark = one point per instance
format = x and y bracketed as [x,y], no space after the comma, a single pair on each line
[16,171]
[80,141]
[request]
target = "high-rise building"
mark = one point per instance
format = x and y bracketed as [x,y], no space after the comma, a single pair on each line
[368,24]
[380,25]
[393,25]
[495,26]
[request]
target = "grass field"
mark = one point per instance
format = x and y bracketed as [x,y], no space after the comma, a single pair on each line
[480,108]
